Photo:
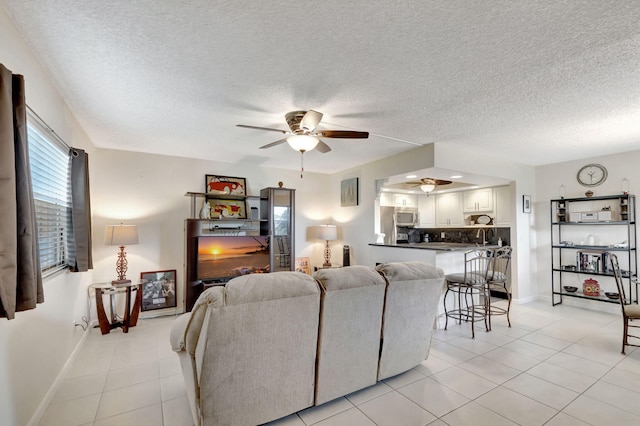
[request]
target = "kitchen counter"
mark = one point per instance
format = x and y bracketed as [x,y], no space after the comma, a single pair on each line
[438,246]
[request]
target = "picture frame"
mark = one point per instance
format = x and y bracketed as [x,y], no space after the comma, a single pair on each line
[225,185]
[349,192]
[526,203]
[159,291]
[227,208]
[302,265]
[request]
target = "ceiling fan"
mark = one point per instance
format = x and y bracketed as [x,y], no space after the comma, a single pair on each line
[428,184]
[302,134]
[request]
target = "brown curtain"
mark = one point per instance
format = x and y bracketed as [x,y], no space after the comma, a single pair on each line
[20,277]
[81,259]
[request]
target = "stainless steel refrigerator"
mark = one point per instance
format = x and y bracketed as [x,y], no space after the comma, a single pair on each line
[387,224]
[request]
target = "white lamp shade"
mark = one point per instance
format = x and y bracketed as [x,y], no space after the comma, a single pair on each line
[120,235]
[302,142]
[327,232]
[427,188]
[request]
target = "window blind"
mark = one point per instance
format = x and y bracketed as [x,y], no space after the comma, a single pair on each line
[51,181]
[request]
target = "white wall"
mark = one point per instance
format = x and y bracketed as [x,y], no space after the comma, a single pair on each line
[37,343]
[149,191]
[548,181]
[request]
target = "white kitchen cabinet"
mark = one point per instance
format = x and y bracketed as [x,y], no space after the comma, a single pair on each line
[503,207]
[478,200]
[405,200]
[449,209]
[386,199]
[427,211]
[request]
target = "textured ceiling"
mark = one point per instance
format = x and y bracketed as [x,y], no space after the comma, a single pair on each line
[534,81]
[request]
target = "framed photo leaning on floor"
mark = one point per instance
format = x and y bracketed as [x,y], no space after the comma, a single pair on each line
[159,291]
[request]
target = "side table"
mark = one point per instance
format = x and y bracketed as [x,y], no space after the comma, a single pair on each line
[130,318]
[333,266]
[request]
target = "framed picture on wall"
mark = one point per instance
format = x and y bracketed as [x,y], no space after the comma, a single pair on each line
[159,291]
[349,192]
[526,203]
[225,185]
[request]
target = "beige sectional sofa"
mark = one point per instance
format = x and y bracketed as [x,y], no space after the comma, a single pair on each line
[267,345]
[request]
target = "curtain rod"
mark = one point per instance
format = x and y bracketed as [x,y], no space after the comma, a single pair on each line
[49,129]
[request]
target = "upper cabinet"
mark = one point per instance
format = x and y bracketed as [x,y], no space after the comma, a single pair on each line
[427,211]
[391,199]
[448,209]
[478,200]
[386,199]
[503,206]
[405,200]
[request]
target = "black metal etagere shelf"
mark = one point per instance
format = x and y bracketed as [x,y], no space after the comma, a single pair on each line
[608,216]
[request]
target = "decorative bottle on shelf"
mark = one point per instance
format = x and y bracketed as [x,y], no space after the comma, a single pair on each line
[499,241]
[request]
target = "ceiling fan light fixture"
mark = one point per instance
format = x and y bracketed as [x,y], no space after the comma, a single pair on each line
[427,188]
[302,143]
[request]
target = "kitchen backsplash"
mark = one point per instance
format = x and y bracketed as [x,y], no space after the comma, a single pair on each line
[466,235]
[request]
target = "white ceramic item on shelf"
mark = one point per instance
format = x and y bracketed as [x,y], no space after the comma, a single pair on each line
[380,239]
[205,212]
[591,240]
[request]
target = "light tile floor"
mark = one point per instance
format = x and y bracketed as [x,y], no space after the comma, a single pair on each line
[556,366]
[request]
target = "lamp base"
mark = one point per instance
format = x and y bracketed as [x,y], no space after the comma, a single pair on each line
[326,264]
[120,281]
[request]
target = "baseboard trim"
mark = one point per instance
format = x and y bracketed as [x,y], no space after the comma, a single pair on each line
[48,397]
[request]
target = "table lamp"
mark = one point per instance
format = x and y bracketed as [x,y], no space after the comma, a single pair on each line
[121,235]
[327,233]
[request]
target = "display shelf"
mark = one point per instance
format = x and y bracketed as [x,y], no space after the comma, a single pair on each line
[608,217]
[585,247]
[625,274]
[193,214]
[617,222]
[580,295]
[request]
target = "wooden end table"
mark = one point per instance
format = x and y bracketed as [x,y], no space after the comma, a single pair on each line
[130,318]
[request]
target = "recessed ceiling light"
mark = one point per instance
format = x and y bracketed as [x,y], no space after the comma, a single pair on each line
[411,176]
[474,187]
[412,192]
[456,177]
[385,189]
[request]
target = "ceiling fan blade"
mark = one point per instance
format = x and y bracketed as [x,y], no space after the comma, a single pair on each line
[343,134]
[323,147]
[262,128]
[269,145]
[310,120]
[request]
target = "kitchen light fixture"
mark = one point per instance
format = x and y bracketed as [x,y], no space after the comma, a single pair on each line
[327,233]
[121,235]
[427,188]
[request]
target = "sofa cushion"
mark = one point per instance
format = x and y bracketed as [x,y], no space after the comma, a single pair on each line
[410,309]
[350,323]
[260,287]
[257,350]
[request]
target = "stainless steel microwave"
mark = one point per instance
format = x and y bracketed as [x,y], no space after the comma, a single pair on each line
[406,217]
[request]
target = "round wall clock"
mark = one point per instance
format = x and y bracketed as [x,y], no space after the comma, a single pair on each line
[592,175]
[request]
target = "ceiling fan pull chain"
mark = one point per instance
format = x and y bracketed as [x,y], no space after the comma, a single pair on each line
[301,162]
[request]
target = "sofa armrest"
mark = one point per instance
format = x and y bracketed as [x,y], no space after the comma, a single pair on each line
[178,328]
